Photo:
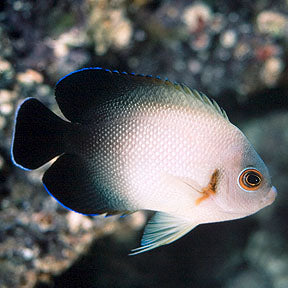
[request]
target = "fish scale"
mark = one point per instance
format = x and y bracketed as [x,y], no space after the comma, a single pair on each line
[150,150]
[134,142]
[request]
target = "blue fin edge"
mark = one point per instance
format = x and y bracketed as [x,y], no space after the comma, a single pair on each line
[13,136]
[112,71]
[66,206]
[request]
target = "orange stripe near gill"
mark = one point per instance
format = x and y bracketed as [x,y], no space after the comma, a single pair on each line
[210,189]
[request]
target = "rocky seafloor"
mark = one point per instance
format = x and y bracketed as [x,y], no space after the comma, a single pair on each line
[234,51]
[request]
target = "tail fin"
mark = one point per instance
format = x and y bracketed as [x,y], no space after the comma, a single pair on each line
[38,135]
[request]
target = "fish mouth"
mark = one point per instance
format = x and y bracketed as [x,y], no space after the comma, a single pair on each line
[271,196]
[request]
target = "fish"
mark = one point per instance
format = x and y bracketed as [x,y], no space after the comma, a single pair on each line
[132,142]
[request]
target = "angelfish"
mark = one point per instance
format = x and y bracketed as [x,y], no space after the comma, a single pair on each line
[136,142]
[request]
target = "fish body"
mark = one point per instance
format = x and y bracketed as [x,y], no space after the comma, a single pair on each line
[134,142]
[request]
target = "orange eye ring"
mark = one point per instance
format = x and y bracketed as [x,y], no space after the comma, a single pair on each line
[250,179]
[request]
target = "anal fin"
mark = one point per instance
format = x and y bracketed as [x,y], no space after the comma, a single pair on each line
[163,229]
[71,180]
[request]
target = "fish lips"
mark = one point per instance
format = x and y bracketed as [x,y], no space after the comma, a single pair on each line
[270,197]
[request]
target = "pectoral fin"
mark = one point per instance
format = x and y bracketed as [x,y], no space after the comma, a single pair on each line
[163,229]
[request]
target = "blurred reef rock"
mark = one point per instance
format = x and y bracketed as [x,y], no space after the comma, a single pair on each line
[234,51]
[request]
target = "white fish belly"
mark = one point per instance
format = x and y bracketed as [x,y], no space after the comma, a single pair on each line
[139,154]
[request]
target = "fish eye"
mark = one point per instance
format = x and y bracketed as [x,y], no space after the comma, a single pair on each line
[250,179]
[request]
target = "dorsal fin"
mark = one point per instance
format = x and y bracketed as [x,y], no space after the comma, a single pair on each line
[79,93]
[192,93]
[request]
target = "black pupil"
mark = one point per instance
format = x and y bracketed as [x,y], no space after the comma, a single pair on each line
[252,179]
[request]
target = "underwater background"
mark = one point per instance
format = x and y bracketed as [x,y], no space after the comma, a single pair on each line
[234,51]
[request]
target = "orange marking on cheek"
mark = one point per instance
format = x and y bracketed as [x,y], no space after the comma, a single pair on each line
[210,189]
